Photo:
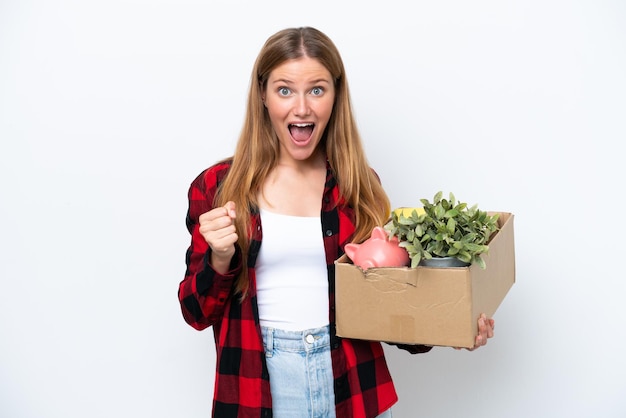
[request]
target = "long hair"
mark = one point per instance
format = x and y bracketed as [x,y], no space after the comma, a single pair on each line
[257,150]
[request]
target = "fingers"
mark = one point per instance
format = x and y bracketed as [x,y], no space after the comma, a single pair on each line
[226,211]
[230,209]
[218,229]
[485,327]
[485,331]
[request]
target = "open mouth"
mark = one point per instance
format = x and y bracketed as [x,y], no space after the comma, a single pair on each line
[301,132]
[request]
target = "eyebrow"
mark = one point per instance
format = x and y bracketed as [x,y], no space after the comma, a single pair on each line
[287,81]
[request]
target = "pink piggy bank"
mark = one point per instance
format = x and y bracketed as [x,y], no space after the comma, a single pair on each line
[378,251]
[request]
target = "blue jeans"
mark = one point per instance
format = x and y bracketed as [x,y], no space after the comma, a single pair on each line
[301,373]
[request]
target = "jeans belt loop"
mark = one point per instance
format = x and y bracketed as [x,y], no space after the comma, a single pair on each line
[270,342]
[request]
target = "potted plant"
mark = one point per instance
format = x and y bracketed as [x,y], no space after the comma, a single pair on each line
[444,229]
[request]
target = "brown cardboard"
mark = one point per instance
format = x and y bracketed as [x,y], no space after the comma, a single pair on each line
[424,305]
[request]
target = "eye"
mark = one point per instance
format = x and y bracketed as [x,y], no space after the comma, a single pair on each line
[284,91]
[317,91]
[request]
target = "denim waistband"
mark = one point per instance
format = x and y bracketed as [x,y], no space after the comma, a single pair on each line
[296,341]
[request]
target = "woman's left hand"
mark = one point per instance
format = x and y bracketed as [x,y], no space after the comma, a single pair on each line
[485,331]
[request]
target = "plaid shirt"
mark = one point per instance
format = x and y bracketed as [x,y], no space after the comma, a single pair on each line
[363,385]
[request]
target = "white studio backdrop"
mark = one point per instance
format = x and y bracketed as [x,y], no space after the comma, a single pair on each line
[108,110]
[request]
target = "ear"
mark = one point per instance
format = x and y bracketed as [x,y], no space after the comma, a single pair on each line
[379,233]
[351,249]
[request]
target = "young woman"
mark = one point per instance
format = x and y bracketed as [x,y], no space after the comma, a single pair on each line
[266,227]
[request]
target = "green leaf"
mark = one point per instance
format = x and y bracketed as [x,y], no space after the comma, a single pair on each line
[464,257]
[439,212]
[451,226]
[452,213]
[480,262]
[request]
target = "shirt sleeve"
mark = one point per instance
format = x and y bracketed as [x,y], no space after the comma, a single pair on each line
[203,293]
[413,348]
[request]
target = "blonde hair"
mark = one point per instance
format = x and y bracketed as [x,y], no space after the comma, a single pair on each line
[257,150]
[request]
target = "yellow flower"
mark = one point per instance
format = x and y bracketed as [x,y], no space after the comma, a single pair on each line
[408,211]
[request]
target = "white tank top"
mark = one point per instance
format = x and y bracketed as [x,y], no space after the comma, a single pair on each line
[291,273]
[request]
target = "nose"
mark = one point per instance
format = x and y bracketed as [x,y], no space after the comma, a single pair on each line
[301,106]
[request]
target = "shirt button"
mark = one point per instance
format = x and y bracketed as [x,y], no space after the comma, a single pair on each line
[329,232]
[310,339]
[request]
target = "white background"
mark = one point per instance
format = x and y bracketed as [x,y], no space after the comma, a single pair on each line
[108,110]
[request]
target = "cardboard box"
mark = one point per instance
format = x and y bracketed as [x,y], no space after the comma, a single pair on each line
[424,305]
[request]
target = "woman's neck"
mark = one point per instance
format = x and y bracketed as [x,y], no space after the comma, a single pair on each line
[295,189]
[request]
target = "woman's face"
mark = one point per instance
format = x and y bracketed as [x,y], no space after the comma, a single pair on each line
[299,98]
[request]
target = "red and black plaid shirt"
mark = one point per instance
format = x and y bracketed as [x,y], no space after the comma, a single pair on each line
[363,385]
